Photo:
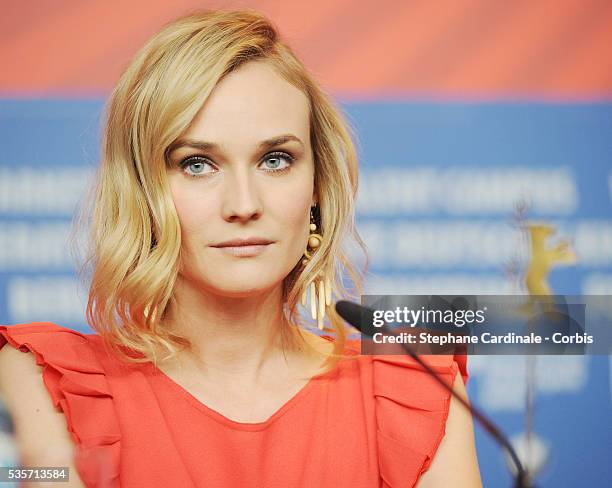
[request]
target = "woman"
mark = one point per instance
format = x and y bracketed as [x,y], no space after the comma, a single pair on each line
[225,192]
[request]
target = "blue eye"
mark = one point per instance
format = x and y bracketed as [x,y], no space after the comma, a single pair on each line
[195,166]
[277,157]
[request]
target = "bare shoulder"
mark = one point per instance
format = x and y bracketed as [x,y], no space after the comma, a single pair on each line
[18,374]
[40,428]
[455,462]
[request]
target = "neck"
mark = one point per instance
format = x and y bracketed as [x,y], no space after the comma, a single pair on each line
[230,335]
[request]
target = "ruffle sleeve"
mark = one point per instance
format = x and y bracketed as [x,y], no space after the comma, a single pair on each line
[411,412]
[79,387]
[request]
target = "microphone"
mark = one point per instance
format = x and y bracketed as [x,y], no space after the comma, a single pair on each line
[353,313]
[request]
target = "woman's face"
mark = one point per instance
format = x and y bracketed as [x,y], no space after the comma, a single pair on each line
[246,171]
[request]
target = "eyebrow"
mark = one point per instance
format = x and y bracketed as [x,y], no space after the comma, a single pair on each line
[209,146]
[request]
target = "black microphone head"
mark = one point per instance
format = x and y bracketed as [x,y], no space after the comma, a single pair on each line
[357,315]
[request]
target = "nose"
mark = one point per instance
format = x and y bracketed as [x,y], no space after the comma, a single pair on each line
[241,198]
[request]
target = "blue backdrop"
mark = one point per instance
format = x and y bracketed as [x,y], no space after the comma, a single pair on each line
[439,185]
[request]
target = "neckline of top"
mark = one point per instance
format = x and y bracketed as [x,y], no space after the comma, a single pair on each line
[247,426]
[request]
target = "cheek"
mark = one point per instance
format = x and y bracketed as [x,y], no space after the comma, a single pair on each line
[293,218]
[192,210]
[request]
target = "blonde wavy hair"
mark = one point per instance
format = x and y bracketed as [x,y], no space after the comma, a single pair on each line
[133,231]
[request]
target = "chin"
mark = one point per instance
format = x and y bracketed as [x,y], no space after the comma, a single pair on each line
[241,290]
[242,284]
[236,279]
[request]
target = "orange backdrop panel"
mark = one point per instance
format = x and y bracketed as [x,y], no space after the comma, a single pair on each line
[358,49]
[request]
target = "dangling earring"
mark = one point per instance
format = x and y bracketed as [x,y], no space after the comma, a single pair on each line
[320,285]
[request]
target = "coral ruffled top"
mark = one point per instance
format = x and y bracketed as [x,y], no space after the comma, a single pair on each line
[375,421]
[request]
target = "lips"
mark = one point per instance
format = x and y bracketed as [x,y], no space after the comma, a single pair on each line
[249,241]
